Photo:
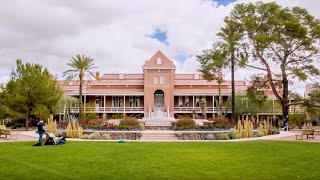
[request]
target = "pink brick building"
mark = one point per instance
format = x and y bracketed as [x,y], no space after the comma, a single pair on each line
[158,92]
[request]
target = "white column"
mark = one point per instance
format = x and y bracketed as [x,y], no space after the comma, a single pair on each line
[192,101]
[124,103]
[85,100]
[213,105]
[104,103]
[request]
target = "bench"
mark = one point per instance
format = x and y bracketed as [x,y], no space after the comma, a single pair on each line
[308,132]
[4,131]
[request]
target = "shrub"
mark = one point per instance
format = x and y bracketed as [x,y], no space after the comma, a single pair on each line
[185,123]
[297,119]
[94,135]
[187,128]
[208,136]
[95,122]
[106,136]
[141,126]
[275,131]
[89,116]
[130,121]
[222,136]
[220,120]
[259,133]
[122,127]
[85,136]
[232,134]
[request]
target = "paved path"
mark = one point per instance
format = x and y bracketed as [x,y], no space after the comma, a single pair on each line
[283,136]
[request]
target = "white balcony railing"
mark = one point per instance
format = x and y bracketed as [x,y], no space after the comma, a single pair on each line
[105,109]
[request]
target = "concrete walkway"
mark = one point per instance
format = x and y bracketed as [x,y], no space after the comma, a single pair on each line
[283,136]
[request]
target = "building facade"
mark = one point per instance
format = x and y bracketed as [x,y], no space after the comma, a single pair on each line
[157,93]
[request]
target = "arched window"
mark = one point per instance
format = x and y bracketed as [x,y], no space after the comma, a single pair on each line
[159,61]
[196,76]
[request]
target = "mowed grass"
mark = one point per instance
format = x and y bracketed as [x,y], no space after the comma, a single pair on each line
[143,160]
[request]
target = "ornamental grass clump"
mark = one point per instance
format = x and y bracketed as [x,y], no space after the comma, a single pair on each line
[239,130]
[74,130]
[232,134]
[52,125]
[248,129]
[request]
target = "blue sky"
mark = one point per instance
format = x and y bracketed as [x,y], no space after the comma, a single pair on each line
[160,36]
[224,2]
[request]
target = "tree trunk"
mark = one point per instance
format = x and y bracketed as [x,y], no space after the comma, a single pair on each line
[285,94]
[220,99]
[27,123]
[80,100]
[233,89]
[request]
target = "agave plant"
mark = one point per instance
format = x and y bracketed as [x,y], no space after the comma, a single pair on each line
[70,118]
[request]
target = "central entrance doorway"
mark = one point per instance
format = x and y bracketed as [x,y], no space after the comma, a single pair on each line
[158,100]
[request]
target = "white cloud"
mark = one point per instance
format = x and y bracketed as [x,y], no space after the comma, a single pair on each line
[114,33]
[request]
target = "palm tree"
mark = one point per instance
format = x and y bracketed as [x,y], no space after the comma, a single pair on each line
[230,36]
[81,67]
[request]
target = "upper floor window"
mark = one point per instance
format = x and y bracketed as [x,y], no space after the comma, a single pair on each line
[156,80]
[121,76]
[159,61]
[161,80]
[196,76]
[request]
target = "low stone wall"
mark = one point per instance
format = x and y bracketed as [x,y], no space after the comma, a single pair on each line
[117,135]
[201,135]
[158,127]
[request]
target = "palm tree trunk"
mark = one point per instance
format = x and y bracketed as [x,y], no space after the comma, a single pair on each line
[233,89]
[80,100]
[220,99]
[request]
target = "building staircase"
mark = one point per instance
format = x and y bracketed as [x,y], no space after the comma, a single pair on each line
[165,135]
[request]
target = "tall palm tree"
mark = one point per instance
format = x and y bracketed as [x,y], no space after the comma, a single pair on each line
[231,35]
[81,67]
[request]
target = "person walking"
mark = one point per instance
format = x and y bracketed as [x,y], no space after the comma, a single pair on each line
[286,124]
[40,130]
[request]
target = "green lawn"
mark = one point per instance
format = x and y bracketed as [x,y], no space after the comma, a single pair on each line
[138,160]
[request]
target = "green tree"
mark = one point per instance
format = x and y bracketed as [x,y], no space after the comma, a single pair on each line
[255,92]
[225,54]
[211,65]
[81,67]
[284,40]
[31,92]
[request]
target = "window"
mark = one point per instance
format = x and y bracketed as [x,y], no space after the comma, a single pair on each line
[180,101]
[120,101]
[156,80]
[186,101]
[130,101]
[159,61]
[196,76]
[121,76]
[197,101]
[137,101]
[114,102]
[161,80]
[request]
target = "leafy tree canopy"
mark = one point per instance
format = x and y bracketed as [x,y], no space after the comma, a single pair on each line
[31,91]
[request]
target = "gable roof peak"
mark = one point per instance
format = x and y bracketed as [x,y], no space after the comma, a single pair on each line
[159,61]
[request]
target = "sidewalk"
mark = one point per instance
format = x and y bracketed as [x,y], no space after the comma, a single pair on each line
[283,136]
